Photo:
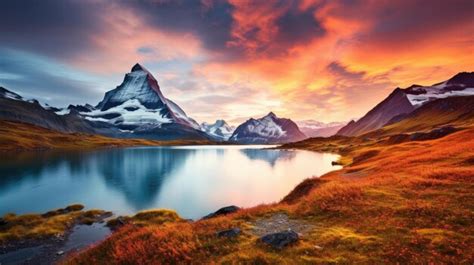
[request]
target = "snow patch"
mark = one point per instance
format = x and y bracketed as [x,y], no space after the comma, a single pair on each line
[11,95]
[421,95]
[63,111]
[264,127]
[121,115]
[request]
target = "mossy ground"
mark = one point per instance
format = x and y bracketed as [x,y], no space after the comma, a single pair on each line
[16,228]
[145,218]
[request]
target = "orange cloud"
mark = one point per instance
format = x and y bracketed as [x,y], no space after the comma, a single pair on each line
[308,59]
[388,51]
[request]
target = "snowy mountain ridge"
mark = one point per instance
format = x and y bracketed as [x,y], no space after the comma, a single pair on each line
[459,85]
[404,101]
[219,129]
[268,129]
[137,103]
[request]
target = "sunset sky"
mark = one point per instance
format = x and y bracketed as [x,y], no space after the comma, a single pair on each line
[312,59]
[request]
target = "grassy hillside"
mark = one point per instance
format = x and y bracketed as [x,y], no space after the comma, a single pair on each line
[15,136]
[393,203]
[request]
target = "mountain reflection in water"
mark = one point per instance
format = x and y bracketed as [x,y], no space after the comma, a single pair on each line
[192,180]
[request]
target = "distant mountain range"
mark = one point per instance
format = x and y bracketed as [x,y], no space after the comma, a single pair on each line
[312,128]
[402,102]
[13,107]
[138,109]
[135,109]
[267,130]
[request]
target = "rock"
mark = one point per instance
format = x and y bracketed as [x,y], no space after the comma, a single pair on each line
[59,253]
[281,239]
[398,138]
[121,220]
[318,247]
[3,222]
[434,134]
[74,208]
[117,222]
[335,163]
[229,233]
[222,211]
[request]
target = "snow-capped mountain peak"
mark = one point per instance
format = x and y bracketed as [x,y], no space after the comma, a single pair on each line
[138,84]
[270,115]
[268,129]
[219,130]
[138,67]
[138,101]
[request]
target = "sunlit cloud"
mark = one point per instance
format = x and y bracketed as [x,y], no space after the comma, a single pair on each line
[236,59]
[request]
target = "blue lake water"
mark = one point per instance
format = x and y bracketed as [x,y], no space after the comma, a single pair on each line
[192,180]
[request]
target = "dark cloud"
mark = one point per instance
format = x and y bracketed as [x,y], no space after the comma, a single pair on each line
[50,27]
[285,27]
[340,70]
[407,21]
[212,24]
[145,50]
[64,28]
[417,17]
[43,80]
[297,26]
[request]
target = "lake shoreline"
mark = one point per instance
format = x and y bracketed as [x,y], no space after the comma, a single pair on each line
[381,203]
[341,207]
[131,179]
[21,137]
[44,236]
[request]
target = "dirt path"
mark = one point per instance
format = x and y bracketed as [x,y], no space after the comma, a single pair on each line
[280,222]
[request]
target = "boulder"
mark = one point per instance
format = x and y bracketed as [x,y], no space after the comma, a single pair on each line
[222,211]
[229,233]
[118,222]
[281,239]
[434,134]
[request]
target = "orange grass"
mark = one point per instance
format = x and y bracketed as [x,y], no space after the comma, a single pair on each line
[410,203]
[15,136]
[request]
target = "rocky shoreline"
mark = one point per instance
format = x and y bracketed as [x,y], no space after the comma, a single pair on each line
[276,231]
[47,248]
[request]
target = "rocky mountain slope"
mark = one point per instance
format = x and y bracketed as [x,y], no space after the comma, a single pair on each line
[135,109]
[404,101]
[13,107]
[452,111]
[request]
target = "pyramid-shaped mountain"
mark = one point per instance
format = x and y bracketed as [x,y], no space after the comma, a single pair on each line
[139,101]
